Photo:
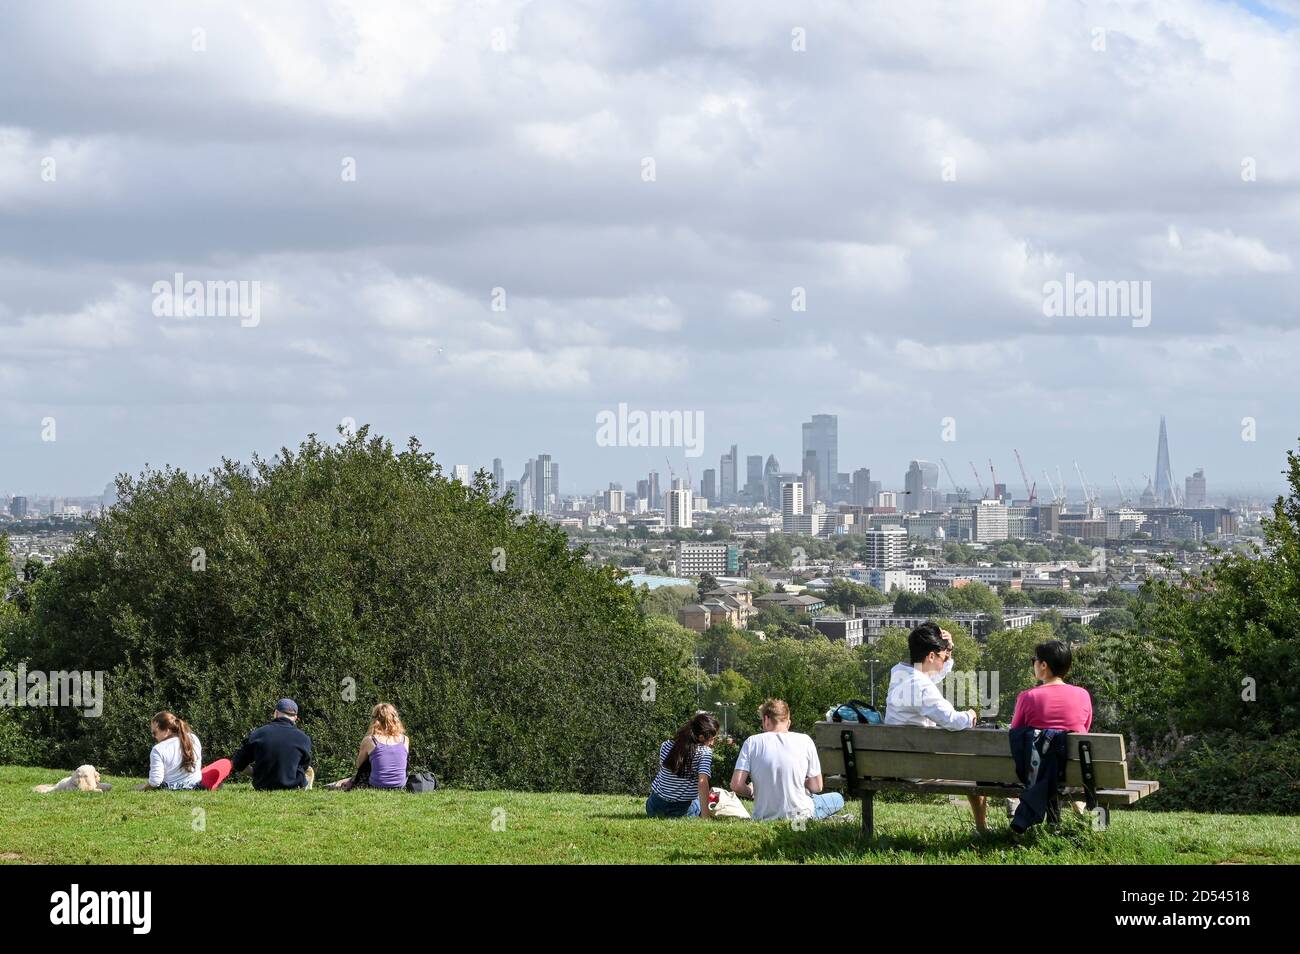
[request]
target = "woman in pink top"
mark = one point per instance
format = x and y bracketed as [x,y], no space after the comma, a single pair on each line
[1055,704]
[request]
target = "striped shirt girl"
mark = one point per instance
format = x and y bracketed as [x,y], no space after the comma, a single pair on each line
[675,788]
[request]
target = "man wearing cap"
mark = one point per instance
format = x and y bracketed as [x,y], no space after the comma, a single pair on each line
[279,752]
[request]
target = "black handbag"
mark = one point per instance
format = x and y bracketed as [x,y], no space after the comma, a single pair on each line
[419,783]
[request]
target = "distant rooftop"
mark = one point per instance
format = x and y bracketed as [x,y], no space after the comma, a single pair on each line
[654,582]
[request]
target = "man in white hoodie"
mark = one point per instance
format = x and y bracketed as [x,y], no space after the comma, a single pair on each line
[914,697]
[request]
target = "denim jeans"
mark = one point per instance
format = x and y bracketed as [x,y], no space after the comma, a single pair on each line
[657,807]
[827,804]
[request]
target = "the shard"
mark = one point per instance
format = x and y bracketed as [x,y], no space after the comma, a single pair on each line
[1165,493]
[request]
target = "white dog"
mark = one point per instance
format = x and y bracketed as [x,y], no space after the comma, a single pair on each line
[84,779]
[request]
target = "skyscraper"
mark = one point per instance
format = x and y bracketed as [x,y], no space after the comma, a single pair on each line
[461,472]
[754,479]
[1194,494]
[791,505]
[913,484]
[652,491]
[886,548]
[728,467]
[862,495]
[921,485]
[1166,495]
[543,483]
[498,477]
[679,505]
[526,499]
[821,437]
[812,483]
[772,480]
[709,485]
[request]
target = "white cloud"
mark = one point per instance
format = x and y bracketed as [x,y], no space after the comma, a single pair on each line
[521,169]
[1207,253]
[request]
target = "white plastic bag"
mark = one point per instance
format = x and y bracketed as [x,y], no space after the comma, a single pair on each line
[728,804]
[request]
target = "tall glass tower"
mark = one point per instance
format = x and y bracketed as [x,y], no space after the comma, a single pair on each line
[821,436]
[1166,495]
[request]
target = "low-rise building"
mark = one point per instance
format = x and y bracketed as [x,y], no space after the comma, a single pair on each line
[793,603]
[848,628]
[979,625]
[716,559]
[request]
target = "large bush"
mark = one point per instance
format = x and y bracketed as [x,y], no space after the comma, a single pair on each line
[1224,772]
[341,575]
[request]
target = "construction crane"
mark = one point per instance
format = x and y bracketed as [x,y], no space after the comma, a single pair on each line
[994,475]
[1061,480]
[955,489]
[1033,497]
[1123,497]
[983,493]
[1083,484]
[1056,497]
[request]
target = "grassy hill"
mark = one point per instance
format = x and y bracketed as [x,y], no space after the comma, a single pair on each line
[243,826]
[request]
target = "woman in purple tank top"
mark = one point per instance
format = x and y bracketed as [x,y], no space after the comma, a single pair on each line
[384,751]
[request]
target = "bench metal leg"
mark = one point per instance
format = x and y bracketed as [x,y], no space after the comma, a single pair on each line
[868,819]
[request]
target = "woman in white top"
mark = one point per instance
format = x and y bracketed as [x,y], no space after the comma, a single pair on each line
[176,760]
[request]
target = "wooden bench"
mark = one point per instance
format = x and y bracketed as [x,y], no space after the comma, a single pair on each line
[882,758]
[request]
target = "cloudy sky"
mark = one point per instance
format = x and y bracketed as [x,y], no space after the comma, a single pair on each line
[646,184]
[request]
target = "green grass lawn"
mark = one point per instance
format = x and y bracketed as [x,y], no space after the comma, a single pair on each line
[452,826]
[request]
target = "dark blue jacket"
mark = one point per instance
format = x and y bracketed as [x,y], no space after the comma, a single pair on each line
[1040,756]
[279,753]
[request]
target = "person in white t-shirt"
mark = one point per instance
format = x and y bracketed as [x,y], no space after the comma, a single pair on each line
[914,697]
[780,771]
[175,762]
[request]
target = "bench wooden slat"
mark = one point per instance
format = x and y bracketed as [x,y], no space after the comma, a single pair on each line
[1000,769]
[1108,796]
[1106,747]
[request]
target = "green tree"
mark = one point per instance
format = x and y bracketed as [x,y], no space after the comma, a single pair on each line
[341,574]
[1055,598]
[977,598]
[1113,597]
[811,675]
[708,583]
[923,604]
[776,549]
[724,647]
[1235,628]
[667,600]
[730,686]
[844,593]
[1113,620]
[1015,598]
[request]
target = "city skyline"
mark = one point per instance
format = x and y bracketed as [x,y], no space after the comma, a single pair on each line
[670,458]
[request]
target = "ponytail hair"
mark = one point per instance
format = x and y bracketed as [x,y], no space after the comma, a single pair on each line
[691,736]
[181,729]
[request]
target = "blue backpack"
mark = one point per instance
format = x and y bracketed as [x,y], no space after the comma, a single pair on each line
[855,710]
